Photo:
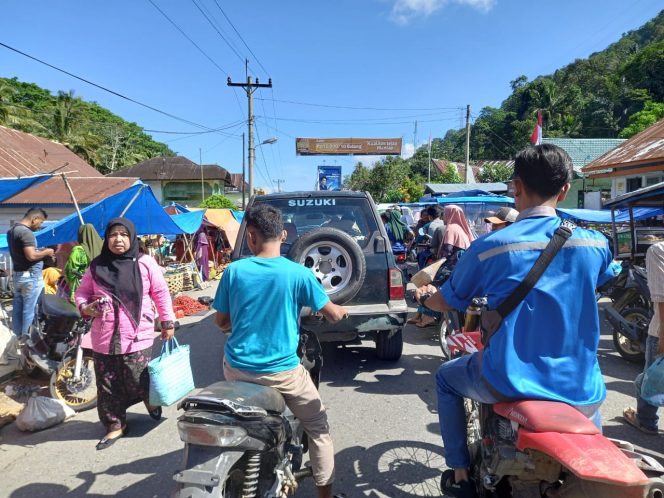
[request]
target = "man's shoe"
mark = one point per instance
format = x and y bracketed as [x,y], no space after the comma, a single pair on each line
[463,489]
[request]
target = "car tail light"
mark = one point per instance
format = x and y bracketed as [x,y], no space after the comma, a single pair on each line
[397,289]
[211,435]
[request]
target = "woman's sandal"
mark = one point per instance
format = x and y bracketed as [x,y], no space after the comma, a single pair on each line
[107,442]
[425,324]
[155,414]
[629,416]
[415,320]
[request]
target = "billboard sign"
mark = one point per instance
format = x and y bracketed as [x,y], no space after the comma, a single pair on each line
[347,146]
[329,178]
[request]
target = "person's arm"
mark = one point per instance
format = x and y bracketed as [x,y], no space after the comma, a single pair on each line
[333,312]
[161,297]
[430,297]
[221,302]
[660,308]
[33,254]
[223,321]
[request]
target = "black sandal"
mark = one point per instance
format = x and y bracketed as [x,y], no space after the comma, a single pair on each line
[463,489]
[107,442]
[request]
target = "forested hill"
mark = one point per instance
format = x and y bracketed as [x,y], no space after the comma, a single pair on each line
[614,93]
[103,139]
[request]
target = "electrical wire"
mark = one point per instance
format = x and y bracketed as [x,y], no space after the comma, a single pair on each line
[454,109]
[267,171]
[267,73]
[108,90]
[233,49]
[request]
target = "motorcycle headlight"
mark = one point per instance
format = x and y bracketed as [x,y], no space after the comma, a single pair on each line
[211,435]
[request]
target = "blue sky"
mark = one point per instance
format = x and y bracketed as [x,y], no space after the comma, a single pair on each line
[409,60]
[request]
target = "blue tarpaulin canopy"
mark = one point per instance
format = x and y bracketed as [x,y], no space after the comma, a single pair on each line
[9,187]
[145,211]
[189,222]
[604,216]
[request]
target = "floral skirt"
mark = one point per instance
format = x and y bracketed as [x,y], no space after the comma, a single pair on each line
[122,381]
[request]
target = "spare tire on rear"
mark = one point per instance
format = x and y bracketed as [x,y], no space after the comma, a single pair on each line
[335,259]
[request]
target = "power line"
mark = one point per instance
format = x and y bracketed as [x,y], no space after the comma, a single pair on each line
[358,122]
[274,160]
[267,73]
[188,38]
[267,171]
[455,109]
[218,31]
[108,90]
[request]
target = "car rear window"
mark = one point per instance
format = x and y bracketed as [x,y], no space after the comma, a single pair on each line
[352,215]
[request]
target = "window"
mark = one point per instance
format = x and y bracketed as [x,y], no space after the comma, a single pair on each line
[653,180]
[633,184]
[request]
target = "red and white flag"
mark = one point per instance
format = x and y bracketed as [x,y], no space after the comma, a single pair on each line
[536,137]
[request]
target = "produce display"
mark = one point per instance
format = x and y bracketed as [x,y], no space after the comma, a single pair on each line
[189,305]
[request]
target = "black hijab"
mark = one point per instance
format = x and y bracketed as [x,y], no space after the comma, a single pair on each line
[119,274]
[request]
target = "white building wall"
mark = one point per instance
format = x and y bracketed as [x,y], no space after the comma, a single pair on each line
[155,185]
[10,215]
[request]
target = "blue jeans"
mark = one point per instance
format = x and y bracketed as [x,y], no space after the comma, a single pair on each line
[461,378]
[28,286]
[422,258]
[645,412]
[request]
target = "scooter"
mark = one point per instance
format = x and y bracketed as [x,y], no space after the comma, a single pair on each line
[241,441]
[528,449]
[630,311]
[60,346]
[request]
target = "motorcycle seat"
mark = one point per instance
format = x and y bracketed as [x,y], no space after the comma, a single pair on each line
[247,394]
[53,305]
[547,416]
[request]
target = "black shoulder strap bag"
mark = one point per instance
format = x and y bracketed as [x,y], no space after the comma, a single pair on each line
[490,320]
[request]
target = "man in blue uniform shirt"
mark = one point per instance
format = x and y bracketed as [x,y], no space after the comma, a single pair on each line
[547,347]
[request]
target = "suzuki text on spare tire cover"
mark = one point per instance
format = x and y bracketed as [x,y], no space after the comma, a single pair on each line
[340,238]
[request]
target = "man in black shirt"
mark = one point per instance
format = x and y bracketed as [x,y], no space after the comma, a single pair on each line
[27,263]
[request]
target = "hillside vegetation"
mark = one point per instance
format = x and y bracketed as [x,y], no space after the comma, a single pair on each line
[104,140]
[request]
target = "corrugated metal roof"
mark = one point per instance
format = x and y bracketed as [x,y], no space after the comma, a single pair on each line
[448,188]
[54,192]
[584,150]
[642,148]
[166,168]
[23,154]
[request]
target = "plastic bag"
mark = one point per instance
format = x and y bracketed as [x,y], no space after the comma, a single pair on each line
[170,374]
[652,389]
[42,412]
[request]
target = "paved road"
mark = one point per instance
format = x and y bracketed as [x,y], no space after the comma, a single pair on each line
[383,416]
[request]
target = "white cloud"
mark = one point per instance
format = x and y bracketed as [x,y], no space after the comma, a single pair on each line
[407,151]
[404,11]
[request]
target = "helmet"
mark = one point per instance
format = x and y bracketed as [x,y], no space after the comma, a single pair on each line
[652,389]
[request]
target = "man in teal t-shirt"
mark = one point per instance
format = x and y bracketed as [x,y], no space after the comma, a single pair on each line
[260,298]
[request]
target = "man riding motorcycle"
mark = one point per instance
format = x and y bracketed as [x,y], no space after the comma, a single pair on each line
[260,298]
[547,347]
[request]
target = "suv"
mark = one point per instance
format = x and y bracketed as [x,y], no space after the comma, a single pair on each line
[340,237]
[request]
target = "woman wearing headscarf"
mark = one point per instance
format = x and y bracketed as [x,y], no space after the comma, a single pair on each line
[88,248]
[456,240]
[117,291]
[457,237]
[397,230]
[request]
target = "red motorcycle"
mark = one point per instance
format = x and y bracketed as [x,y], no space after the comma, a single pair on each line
[528,449]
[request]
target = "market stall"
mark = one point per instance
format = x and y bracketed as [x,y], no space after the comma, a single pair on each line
[634,240]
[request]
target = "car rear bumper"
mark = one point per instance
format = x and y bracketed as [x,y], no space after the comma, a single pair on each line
[362,319]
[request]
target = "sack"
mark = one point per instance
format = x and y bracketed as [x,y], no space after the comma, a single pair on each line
[170,374]
[42,412]
[426,275]
[652,388]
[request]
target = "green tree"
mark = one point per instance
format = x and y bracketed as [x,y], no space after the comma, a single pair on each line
[498,172]
[646,70]
[651,113]
[218,202]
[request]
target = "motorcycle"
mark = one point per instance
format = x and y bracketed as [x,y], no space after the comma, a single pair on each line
[529,448]
[630,311]
[60,346]
[241,441]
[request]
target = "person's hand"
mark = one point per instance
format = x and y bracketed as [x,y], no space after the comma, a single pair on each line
[425,289]
[92,309]
[167,334]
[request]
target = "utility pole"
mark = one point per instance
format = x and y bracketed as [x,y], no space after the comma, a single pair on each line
[243,180]
[200,164]
[250,88]
[415,137]
[278,182]
[467,141]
